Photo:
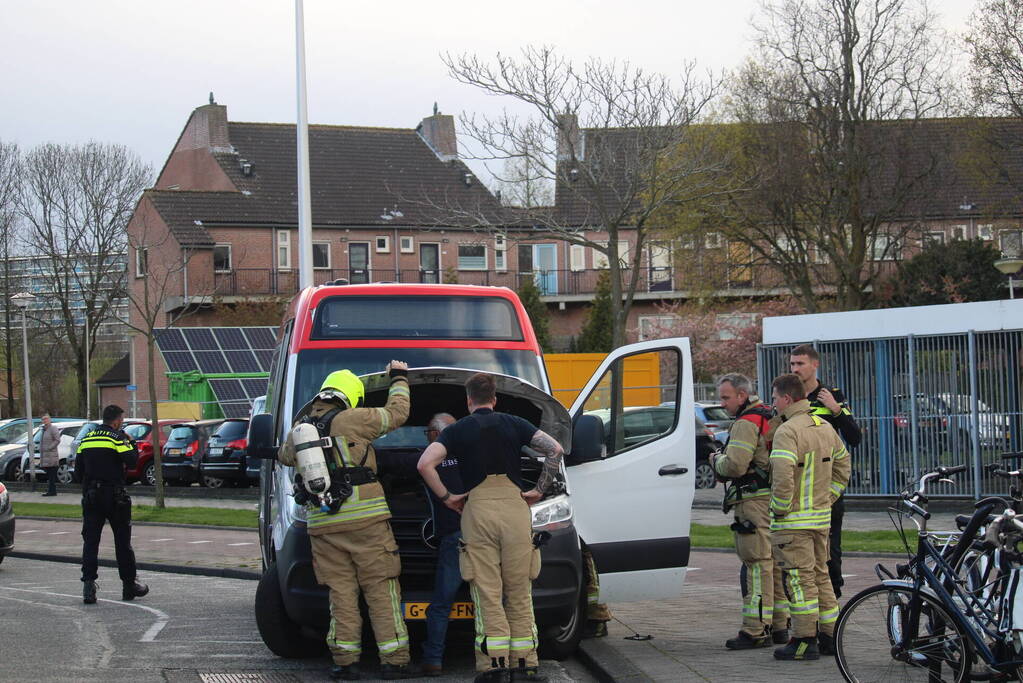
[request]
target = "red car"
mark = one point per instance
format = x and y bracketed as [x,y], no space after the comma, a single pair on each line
[144,469]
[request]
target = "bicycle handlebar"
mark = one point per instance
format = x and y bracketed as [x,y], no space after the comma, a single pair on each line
[1012,456]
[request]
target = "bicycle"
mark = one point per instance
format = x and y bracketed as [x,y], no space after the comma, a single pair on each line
[928,623]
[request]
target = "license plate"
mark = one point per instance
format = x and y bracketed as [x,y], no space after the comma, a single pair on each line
[417,610]
[216,451]
[173,451]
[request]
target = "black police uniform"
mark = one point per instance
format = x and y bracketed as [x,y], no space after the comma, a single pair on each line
[847,428]
[104,499]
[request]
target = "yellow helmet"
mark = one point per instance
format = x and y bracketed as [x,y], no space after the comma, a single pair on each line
[347,384]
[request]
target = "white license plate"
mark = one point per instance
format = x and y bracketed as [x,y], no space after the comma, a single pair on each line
[216,451]
[173,451]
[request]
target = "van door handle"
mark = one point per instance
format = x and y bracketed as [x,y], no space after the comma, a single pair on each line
[672,470]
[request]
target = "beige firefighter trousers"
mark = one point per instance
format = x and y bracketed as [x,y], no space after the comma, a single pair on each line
[595,609]
[764,603]
[365,558]
[498,560]
[802,556]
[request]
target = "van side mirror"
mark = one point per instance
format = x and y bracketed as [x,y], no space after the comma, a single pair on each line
[587,440]
[261,437]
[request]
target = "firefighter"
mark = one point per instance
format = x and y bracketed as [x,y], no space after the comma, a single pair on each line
[809,472]
[744,467]
[353,547]
[831,405]
[498,557]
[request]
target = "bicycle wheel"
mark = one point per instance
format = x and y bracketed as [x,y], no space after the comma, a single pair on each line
[872,643]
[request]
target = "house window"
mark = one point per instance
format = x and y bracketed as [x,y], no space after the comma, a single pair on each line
[657,326]
[985,231]
[600,258]
[885,248]
[730,325]
[222,258]
[500,253]
[713,240]
[407,245]
[383,243]
[577,257]
[960,232]
[525,258]
[688,241]
[321,255]
[141,262]
[283,250]
[472,257]
[933,237]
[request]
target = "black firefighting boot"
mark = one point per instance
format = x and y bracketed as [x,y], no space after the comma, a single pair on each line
[527,673]
[392,672]
[799,649]
[493,676]
[89,592]
[345,672]
[133,589]
[826,644]
[780,637]
[745,641]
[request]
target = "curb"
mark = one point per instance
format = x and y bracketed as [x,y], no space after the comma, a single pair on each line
[134,523]
[249,494]
[845,553]
[218,572]
[606,664]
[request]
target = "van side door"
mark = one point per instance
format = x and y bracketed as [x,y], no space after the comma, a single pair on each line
[633,496]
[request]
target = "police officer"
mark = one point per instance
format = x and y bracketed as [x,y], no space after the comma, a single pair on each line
[745,466]
[353,547]
[498,558]
[809,471]
[100,458]
[831,405]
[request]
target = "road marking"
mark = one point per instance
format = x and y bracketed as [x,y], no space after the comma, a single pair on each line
[247,543]
[195,542]
[694,569]
[58,533]
[160,540]
[149,636]
[29,531]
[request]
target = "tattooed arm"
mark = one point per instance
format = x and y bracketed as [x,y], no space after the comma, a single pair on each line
[548,447]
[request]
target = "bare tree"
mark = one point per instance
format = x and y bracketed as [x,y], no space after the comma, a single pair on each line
[76,201]
[830,110]
[523,185]
[607,137]
[10,188]
[995,43]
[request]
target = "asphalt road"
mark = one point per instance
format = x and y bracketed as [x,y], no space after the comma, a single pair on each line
[188,629]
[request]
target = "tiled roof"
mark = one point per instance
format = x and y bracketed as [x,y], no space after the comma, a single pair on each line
[357,175]
[118,375]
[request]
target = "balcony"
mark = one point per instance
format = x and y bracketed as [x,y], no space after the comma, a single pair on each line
[554,285]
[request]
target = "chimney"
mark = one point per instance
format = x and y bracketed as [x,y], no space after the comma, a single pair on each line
[571,143]
[207,128]
[438,131]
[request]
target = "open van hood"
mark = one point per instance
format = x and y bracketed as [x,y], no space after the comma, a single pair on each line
[437,390]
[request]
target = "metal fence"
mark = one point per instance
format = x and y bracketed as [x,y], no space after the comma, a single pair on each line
[921,402]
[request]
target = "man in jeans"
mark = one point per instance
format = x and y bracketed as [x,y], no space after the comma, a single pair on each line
[448,532]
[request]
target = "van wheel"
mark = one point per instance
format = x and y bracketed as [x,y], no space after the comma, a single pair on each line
[560,641]
[282,635]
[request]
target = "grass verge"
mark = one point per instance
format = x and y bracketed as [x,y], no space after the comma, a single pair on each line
[706,536]
[150,513]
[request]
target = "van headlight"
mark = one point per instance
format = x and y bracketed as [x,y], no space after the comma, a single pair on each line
[553,513]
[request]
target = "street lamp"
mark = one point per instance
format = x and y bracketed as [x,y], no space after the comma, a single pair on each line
[23,301]
[1009,266]
[1010,263]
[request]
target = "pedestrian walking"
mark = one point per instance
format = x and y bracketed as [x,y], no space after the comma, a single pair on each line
[831,405]
[49,459]
[498,557]
[809,472]
[744,466]
[104,500]
[352,543]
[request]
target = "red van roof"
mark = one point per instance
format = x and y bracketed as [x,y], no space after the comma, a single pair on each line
[307,300]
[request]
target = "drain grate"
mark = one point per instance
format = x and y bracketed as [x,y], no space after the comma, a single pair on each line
[248,677]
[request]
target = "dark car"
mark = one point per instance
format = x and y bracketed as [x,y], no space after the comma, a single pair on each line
[253,466]
[224,460]
[6,523]
[183,450]
[142,434]
[705,445]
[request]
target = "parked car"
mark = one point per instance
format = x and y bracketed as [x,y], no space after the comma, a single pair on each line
[141,433]
[68,431]
[6,523]
[931,426]
[133,471]
[638,429]
[183,450]
[705,445]
[224,461]
[715,418]
[253,466]
[13,429]
[994,428]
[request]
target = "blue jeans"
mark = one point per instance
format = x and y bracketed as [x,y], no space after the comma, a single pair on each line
[446,584]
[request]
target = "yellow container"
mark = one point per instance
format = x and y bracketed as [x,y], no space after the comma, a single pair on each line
[569,372]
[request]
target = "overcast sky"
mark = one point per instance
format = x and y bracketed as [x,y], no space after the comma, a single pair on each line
[131,71]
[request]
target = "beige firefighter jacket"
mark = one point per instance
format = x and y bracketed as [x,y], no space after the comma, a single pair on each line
[810,469]
[747,449]
[358,427]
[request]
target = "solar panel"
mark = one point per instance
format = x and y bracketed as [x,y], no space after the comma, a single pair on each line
[200,339]
[255,386]
[265,358]
[242,361]
[171,340]
[212,362]
[230,338]
[227,390]
[179,361]
[261,337]
[236,409]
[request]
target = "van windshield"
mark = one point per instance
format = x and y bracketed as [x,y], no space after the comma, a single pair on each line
[315,364]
